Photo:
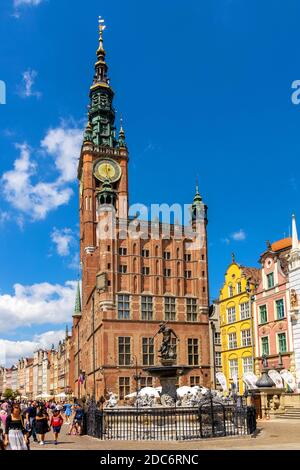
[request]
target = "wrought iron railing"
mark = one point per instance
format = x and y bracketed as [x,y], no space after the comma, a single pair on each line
[210,418]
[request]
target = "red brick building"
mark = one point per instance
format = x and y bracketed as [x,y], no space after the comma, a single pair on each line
[135,274]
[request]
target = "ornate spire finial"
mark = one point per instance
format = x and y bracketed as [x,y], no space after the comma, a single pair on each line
[269,246]
[122,142]
[233,257]
[101,29]
[197,184]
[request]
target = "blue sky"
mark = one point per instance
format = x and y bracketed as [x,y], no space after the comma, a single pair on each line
[204,89]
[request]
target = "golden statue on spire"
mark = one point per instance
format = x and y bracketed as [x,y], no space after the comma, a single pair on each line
[102,27]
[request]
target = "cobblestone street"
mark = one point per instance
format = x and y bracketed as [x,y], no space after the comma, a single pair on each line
[277,434]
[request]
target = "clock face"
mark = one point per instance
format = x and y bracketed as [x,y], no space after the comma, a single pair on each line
[107,169]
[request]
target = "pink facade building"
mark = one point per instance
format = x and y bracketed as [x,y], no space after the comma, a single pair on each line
[273,330]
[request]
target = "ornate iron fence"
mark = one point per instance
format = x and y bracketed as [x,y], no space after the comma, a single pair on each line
[210,419]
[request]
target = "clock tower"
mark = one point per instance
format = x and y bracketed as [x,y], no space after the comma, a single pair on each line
[131,280]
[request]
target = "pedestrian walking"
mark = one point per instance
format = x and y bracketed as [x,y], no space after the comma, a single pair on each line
[42,426]
[56,423]
[31,419]
[15,432]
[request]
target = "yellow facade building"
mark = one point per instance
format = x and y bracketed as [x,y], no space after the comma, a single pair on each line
[236,323]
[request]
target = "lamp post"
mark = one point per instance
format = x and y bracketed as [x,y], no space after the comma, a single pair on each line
[137,377]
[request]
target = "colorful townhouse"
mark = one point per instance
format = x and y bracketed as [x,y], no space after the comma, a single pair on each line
[236,323]
[273,330]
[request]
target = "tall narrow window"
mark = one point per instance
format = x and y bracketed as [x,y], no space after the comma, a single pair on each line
[232,341]
[167,255]
[282,348]
[148,351]
[191,309]
[170,308]
[265,345]
[231,316]
[218,359]
[270,280]
[233,368]
[123,307]
[280,309]
[147,307]
[230,290]
[124,345]
[124,387]
[246,337]
[145,270]
[263,314]
[193,352]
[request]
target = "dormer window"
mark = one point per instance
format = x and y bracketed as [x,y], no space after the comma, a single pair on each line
[270,280]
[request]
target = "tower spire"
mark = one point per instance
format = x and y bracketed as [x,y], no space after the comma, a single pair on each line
[122,140]
[102,27]
[295,241]
[77,309]
[102,113]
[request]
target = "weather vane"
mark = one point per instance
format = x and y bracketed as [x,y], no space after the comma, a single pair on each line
[101,25]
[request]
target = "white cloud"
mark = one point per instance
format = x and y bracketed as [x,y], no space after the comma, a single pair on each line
[38,198]
[63,239]
[26,89]
[18,3]
[37,304]
[33,199]
[11,351]
[64,146]
[237,236]
[240,235]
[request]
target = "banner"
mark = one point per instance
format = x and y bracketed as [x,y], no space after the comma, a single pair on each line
[222,381]
[276,377]
[288,379]
[250,379]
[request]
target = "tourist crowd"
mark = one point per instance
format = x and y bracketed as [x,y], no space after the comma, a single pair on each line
[22,421]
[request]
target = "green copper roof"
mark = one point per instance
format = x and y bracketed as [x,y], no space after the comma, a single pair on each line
[77,309]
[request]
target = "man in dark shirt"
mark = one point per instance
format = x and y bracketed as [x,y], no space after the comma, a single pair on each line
[30,414]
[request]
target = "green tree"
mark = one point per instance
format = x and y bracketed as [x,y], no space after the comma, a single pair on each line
[9,394]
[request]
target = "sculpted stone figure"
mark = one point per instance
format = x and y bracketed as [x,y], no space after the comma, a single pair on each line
[167,348]
[294,298]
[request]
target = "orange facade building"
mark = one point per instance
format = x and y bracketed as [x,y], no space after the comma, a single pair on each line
[135,274]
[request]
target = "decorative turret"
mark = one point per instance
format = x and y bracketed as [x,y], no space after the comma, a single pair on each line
[122,140]
[88,133]
[102,113]
[199,209]
[77,309]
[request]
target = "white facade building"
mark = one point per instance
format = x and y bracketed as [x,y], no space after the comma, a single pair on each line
[294,281]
